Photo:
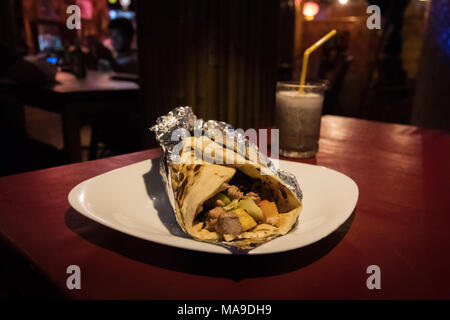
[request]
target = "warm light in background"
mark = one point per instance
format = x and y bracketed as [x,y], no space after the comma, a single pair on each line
[310,9]
[343,1]
[125,4]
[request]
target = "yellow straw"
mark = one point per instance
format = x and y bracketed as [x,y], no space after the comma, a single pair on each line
[308,51]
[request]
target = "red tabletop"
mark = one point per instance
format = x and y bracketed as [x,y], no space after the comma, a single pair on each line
[401,223]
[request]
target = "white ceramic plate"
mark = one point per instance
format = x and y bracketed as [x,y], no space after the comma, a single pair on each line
[132,200]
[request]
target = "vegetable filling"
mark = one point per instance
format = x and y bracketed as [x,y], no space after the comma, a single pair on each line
[240,206]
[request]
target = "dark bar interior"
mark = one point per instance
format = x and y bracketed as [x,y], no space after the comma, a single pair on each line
[84,80]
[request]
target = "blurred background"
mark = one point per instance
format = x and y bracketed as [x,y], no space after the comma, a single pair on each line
[70,95]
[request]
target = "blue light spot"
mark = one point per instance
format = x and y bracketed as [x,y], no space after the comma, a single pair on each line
[445,37]
[52,60]
[112,14]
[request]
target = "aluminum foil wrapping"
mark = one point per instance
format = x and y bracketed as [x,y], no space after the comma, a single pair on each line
[183,118]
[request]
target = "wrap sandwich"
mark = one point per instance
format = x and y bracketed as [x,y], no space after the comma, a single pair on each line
[233,203]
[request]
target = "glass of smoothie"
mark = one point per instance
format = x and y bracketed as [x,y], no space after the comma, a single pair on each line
[298,112]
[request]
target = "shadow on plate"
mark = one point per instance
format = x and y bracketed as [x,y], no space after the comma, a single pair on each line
[235,267]
[156,191]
